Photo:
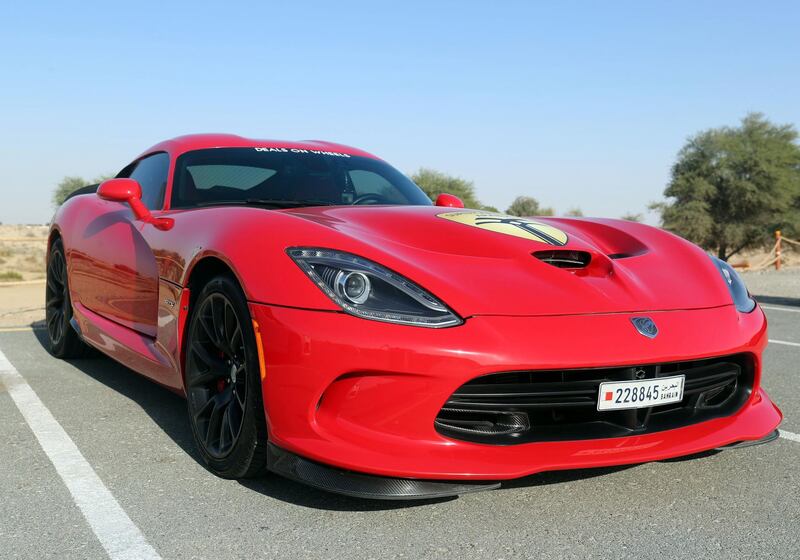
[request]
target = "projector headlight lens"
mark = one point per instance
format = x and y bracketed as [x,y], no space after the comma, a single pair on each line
[355,286]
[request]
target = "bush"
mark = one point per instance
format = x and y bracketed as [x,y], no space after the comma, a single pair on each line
[10,276]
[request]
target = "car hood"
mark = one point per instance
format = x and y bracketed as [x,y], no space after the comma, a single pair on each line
[480,263]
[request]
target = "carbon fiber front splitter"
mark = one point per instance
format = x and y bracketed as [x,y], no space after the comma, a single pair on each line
[373,487]
[361,485]
[772,436]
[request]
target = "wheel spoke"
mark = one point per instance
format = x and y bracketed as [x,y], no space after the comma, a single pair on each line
[232,424]
[236,342]
[209,330]
[218,320]
[58,268]
[241,386]
[59,326]
[204,410]
[215,421]
[214,418]
[54,269]
[237,411]
[225,397]
[230,324]
[204,379]
[52,284]
[222,429]
[226,435]
[52,326]
[203,355]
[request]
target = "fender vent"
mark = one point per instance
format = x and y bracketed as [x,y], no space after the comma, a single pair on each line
[564,259]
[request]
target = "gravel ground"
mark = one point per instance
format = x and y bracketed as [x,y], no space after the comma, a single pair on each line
[21,304]
[784,283]
[22,252]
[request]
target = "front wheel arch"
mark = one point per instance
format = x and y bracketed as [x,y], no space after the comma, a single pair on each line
[200,274]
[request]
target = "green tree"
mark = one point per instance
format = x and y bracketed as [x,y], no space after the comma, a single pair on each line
[435,183]
[70,184]
[66,187]
[574,211]
[731,187]
[632,217]
[528,206]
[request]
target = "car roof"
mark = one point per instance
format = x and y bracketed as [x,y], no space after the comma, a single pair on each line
[181,144]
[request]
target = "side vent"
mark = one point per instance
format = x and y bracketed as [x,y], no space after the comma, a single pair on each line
[565,259]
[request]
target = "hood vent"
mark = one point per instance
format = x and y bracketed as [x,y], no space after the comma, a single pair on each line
[565,259]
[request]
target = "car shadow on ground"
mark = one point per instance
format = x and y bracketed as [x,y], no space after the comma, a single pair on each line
[775,300]
[168,411]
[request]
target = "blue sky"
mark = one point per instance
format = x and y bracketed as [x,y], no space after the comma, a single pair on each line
[576,103]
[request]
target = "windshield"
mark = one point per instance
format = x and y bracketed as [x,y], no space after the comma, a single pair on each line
[288,177]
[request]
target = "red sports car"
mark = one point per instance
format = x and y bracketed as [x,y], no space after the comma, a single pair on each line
[328,323]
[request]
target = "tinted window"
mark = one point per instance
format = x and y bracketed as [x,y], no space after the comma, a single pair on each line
[307,177]
[240,177]
[151,173]
[369,182]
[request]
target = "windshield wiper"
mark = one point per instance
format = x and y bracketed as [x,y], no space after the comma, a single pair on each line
[274,203]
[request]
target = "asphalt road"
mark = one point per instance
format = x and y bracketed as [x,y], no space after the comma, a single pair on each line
[742,503]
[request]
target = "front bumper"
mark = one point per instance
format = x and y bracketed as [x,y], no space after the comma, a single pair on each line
[362,396]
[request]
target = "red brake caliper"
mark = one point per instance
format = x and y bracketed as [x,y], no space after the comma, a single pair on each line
[221,382]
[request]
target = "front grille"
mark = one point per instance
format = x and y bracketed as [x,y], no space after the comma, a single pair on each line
[556,405]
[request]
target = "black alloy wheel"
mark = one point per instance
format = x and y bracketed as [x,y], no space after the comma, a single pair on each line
[223,382]
[64,341]
[56,296]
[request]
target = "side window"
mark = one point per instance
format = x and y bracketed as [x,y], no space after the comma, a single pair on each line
[151,173]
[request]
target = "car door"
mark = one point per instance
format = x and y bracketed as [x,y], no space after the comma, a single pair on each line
[114,274]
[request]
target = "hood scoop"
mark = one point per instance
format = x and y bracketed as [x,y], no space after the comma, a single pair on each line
[572,260]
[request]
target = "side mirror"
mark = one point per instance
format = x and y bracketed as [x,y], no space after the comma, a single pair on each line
[129,190]
[120,190]
[449,200]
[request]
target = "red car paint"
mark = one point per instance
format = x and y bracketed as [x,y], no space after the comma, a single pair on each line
[363,395]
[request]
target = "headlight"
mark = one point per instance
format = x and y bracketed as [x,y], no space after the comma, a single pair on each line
[368,290]
[741,297]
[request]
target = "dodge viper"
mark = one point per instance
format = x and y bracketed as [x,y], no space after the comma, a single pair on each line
[326,322]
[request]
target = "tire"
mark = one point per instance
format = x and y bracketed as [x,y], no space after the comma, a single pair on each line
[64,342]
[222,363]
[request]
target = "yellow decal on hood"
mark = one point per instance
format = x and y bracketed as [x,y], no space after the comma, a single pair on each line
[509,225]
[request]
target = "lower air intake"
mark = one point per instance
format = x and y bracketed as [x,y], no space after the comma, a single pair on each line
[529,406]
[484,422]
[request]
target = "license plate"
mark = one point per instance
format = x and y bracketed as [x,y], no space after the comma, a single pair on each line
[621,395]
